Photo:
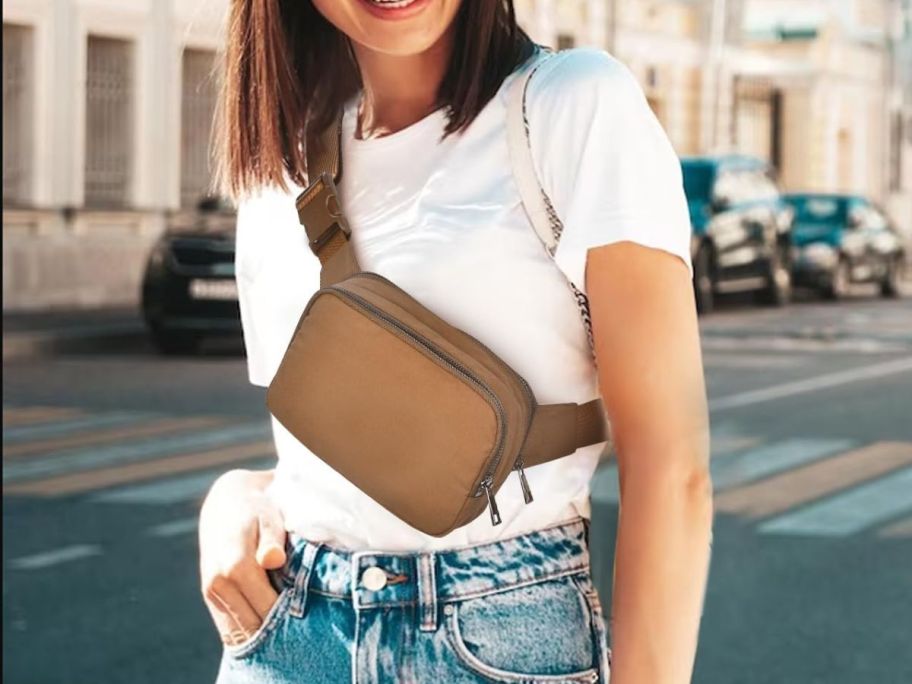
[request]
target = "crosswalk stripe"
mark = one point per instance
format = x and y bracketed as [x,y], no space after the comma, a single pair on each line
[849,512]
[740,468]
[811,384]
[26,433]
[75,483]
[174,528]
[801,485]
[15,416]
[733,469]
[114,434]
[169,491]
[55,556]
[70,461]
[900,528]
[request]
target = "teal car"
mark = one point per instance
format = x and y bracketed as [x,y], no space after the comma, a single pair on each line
[740,229]
[841,239]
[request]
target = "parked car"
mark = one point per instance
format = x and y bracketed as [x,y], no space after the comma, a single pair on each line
[840,239]
[189,291]
[740,229]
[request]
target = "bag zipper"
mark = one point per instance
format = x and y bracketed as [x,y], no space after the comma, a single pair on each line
[527,391]
[402,330]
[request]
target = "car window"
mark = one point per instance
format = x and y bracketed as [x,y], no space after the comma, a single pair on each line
[733,187]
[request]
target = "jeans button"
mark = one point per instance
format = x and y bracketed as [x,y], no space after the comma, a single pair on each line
[373,578]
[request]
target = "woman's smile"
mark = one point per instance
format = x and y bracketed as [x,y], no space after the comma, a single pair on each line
[395,9]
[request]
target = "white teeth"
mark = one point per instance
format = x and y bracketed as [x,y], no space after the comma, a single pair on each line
[396,4]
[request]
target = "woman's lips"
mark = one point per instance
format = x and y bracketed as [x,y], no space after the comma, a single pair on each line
[395,10]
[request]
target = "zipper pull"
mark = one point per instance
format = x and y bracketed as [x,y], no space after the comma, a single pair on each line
[523,482]
[492,504]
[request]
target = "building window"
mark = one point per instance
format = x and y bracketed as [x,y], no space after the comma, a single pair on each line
[109,122]
[565,41]
[18,85]
[197,111]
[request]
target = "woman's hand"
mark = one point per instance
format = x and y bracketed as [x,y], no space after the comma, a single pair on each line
[241,534]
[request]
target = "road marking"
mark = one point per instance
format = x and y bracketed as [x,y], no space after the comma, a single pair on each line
[759,342]
[174,528]
[26,433]
[117,434]
[71,461]
[14,416]
[761,361]
[106,477]
[801,485]
[169,491]
[46,559]
[810,385]
[740,468]
[850,512]
[733,469]
[900,528]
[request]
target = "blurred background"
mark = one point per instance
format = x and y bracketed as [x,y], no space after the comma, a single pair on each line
[125,391]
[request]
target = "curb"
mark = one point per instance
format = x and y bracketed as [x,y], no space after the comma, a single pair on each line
[29,345]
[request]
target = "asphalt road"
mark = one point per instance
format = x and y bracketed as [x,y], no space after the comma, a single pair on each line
[106,457]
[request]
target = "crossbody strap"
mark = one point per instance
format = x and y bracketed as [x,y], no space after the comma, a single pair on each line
[534,200]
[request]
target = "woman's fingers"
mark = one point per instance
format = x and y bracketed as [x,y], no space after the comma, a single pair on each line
[270,551]
[230,610]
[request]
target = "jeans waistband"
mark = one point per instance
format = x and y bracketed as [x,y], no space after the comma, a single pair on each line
[427,578]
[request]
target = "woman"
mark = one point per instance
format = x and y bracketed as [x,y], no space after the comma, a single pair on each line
[309,580]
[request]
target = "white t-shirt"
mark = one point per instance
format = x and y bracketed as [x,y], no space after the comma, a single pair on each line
[443,220]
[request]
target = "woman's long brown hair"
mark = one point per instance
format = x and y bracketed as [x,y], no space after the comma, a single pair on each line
[287,71]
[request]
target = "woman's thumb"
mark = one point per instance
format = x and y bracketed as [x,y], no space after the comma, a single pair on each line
[270,551]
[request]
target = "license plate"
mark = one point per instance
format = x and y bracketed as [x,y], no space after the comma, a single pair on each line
[207,288]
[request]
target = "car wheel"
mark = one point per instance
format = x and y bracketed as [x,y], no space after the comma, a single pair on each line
[173,342]
[703,283]
[778,291]
[840,280]
[889,286]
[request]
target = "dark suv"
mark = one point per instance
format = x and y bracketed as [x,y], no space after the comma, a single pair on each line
[189,291]
[741,229]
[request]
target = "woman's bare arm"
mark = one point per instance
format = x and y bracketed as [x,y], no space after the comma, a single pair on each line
[651,379]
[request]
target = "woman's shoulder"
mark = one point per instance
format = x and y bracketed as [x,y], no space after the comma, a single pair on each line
[582,79]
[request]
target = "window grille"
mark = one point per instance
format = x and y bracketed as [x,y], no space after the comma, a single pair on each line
[109,122]
[197,111]
[18,84]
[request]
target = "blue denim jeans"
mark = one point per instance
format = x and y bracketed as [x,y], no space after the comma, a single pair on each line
[521,609]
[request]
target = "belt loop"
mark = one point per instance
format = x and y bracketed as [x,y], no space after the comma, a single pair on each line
[427,591]
[299,591]
[586,522]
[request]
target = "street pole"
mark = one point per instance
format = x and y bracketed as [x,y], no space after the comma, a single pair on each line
[611,27]
[718,23]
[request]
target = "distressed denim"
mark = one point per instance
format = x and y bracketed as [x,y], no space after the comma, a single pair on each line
[521,609]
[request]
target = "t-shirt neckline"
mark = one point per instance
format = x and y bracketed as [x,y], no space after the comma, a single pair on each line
[349,121]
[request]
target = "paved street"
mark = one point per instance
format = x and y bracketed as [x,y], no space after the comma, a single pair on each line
[107,455]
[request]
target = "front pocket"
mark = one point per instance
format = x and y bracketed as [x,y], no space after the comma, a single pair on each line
[274,617]
[538,632]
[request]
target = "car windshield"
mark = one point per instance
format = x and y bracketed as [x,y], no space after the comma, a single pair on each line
[698,178]
[818,209]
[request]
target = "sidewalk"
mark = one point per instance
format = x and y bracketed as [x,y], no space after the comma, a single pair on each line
[31,334]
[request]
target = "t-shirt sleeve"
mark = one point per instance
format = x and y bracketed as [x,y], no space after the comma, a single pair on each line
[604,160]
[276,274]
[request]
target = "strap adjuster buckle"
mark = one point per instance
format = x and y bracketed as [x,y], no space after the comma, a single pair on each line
[320,212]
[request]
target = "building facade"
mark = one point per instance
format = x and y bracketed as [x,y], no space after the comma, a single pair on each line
[106,116]
[108,104]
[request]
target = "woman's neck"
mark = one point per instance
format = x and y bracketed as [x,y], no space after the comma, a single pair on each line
[399,89]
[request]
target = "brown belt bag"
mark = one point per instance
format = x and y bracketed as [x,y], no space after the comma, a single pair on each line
[419,415]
